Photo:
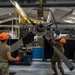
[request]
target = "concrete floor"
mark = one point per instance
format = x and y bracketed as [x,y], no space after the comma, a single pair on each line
[38,68]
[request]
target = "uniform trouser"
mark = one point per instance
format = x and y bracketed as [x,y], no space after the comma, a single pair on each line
[53,61]
[4,68]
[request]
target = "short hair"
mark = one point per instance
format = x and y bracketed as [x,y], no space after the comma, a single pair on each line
[3,41]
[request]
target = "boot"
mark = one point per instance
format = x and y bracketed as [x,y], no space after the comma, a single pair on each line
[63,74]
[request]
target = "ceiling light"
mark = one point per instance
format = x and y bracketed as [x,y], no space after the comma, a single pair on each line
[0,21]
[68,21]
[73,13]
[72,18]
[9,13]
[42,18]
[68,17]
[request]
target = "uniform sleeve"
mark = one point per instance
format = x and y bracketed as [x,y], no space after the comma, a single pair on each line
[63,50]
[8,49]
[57,44]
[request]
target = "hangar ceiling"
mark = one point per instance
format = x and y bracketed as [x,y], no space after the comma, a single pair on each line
[61,14]
[62,10]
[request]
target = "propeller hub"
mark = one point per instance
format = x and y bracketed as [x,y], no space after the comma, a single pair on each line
[40,28]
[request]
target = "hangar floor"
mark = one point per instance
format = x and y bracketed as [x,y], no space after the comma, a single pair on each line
[38,68]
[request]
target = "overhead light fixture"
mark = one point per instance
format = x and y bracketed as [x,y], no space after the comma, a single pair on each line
[0,21]
[73,13]
[9,13]
[72,18]
[69,21]
[68,17]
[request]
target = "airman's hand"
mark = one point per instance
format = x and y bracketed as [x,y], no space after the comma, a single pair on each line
[17,58]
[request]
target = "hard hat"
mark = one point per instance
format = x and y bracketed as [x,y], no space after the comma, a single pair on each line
[3,36]
[63,40]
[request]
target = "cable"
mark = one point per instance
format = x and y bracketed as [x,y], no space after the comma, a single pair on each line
[52,17]
[57,31]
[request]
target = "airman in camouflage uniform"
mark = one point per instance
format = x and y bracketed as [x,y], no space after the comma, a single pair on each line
[56,59]
[5,54]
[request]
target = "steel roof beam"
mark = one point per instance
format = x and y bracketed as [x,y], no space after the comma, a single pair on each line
[47,4]
[64,26]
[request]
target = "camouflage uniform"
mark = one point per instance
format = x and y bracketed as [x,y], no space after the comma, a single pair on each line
[56,58]
[4,68]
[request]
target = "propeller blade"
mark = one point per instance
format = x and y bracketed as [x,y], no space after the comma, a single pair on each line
[22,42]
[20,11]
[66,14]
[16,45]
[62,56]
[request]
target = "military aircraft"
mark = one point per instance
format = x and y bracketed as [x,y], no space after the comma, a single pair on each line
[38,30]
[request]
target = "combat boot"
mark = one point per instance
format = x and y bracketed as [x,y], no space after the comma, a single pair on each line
[63,74]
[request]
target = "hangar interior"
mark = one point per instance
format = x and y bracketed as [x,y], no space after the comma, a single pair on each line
[57,18]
